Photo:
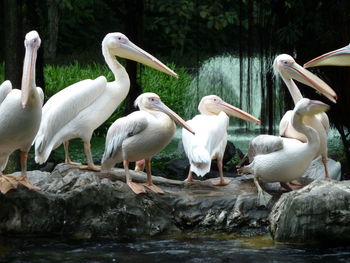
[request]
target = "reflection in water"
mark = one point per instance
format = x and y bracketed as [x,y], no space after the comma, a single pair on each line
[185,249]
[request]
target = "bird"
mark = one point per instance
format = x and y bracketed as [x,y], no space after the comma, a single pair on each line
[286,67]
[140,135]
[77,110]
[20,116]
[285,159]
[210,139]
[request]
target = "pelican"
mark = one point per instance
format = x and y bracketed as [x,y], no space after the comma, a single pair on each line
[140,135]
[210,140]
[288,69]
[20,115]
[286,159]
[76,111]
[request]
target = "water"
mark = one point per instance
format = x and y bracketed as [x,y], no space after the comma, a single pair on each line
[166,249]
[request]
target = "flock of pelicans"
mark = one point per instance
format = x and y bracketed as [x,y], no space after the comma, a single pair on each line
[76,111]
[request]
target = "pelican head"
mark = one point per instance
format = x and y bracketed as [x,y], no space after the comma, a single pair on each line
[307,107]
[286,66]
[339,57]
[213,105]
[151,102]
[119,45]
[31,43]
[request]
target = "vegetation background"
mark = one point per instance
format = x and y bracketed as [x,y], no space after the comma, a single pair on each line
[184,33]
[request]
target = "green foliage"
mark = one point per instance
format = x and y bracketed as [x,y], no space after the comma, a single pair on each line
[172,91]
[60,77]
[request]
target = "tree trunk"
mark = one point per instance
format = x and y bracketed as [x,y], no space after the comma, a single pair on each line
[52,24]
[134,30]
[13,45]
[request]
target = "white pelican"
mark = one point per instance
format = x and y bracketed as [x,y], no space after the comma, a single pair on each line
[20,115]
[288,69]
[210,140]
[76,111]
[140,135]
[286,159]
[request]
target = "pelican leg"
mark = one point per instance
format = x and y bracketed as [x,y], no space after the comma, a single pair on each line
[325,164]
[221,181]
[139,165]
[263,197]
[7,183]
[90,163]
[23,179]
[149,183]
[136,188]
[66,152]
[190,178]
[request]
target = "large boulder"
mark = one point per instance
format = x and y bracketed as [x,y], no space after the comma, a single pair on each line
[318,213]
[85,204]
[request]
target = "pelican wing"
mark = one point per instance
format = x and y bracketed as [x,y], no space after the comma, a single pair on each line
[41,95]
[5,89]
[121,129]
[264,144]
[65,105]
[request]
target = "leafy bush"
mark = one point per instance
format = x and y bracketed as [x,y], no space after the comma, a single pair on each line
[172,91]
[60,77]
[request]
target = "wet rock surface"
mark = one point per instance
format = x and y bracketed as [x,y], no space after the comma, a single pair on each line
[318,213]
[86,204]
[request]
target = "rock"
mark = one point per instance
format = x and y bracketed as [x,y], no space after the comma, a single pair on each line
[88,204]
[318,213]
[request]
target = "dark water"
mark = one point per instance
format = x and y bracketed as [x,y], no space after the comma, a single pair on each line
[179,250]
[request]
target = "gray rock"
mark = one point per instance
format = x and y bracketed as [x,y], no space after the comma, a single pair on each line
[90,204]
[318,213]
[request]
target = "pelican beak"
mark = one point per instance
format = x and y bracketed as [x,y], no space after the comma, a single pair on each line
[317,107]
[162,107]
[339,57]
[29,67]
[304,76]
[129,50]
[236,112]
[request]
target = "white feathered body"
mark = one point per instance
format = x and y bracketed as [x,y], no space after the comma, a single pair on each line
[76,111]
[287,160]
[208,143]
[18,125]
[140,135]
[318,122]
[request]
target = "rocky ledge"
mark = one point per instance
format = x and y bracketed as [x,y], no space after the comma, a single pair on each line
[87,204]
[318,213]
